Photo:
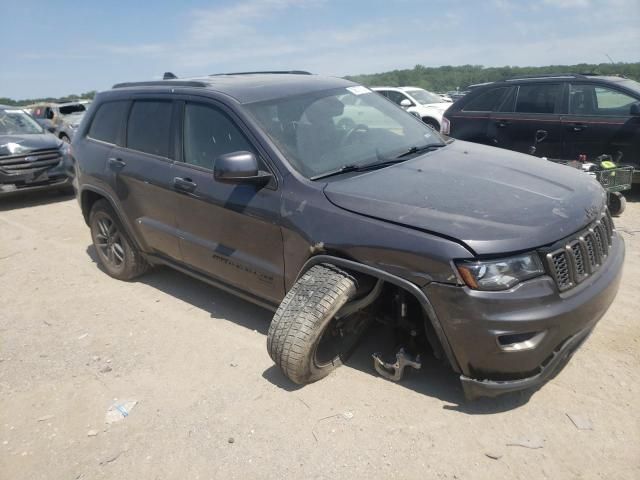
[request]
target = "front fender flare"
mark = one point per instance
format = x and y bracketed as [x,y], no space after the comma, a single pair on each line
[400,282]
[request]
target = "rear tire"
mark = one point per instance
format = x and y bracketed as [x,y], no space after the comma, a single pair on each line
[304,327]
[432,123]
[116,252]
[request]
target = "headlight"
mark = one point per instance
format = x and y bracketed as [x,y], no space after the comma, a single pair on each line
[500,274]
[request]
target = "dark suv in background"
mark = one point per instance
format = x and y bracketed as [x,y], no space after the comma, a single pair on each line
[581,115]
[323,201]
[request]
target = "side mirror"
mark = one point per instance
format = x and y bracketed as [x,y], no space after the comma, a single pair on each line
[634,110]
[406,103]
[239,167]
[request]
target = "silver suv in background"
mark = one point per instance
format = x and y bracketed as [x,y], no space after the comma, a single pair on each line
[61,119]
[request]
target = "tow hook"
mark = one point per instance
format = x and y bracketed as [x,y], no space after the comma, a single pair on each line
[395,371]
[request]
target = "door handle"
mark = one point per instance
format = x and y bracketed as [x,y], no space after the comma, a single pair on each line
[502,123]
[116,163]
[578,127]
[184,184]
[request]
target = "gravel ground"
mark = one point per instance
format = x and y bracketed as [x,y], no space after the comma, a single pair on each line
[210,404]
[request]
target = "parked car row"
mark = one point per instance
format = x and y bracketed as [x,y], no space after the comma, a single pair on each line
[61,119]
[30,157]
[580,115]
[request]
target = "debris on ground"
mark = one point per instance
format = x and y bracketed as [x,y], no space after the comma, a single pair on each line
[45,418]
[92,433]
[580,421]
[493,455]
[532,442]
[106,369]
[231,440]
[112,458]
[119,411]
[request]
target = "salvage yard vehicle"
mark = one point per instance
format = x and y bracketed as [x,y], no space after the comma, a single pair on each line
[582,115]
[30,158]
[61,119]
[423,104]
[478,255]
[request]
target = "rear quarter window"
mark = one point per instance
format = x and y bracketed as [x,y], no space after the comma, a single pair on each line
[487,101]
[107,122]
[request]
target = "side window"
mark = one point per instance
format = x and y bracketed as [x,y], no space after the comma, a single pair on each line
[38,112]
[397,97]
[209,133]
[107,122]
[612,102]
[539,98]
[487,101]
[149,127]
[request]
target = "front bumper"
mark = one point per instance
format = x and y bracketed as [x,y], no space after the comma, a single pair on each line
[55,177]
[477,323]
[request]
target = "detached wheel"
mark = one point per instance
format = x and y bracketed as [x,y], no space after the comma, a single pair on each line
[617,203]
[306,338]
[116,252]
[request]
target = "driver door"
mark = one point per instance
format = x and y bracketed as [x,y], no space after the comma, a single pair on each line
[229,231]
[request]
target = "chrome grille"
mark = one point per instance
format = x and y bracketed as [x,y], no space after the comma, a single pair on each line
[582,255]
[578,257]
[32,161]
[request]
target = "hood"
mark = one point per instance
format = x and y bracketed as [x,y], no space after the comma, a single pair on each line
[22,144]
[492,200]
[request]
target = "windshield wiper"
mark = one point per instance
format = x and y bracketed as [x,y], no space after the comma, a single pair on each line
[418,149]
[375,165]
[337,171]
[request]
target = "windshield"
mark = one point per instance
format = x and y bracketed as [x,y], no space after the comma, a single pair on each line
[17,122]
[424,97]
[323,131]
[69,109]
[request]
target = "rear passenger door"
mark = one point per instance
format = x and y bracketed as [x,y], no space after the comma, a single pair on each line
[537,106]
[229,231]
[472,121]
[599,121]
[141,174]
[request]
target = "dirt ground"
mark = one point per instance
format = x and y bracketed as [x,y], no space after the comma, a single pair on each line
[210,403]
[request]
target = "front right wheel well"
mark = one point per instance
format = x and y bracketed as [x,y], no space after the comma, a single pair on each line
[424,316]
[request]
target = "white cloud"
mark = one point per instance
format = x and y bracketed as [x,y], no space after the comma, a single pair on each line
[568,3]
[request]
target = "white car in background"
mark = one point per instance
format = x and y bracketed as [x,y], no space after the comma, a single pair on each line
[428,106]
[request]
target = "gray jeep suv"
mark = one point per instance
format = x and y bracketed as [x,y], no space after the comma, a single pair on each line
[283,189]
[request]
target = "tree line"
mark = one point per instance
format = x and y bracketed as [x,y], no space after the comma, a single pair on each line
[437,79]
[69,98]
[447,78]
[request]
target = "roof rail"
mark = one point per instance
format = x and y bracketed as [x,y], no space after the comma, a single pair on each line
[271,72]
[552,75]
[162,83]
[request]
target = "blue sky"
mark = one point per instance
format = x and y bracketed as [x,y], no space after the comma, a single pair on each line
[57,48]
